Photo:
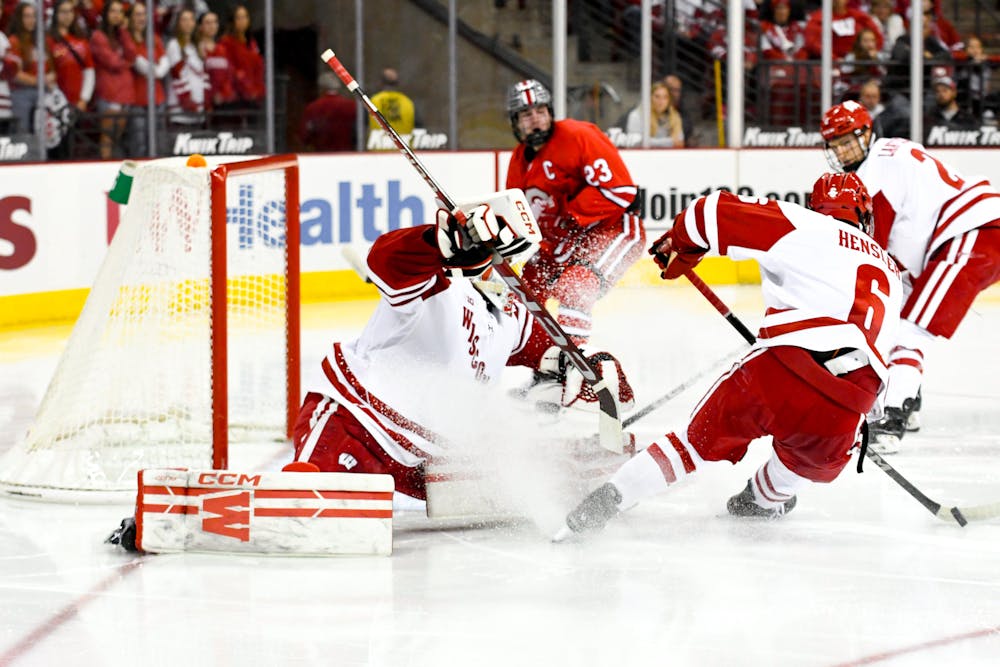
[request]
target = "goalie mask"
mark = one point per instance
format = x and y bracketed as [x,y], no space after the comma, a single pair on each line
[847,131]
[525,95]
[845,197]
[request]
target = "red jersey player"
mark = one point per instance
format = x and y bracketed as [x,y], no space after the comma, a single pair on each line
[582,196]
[832,297]
[942,228]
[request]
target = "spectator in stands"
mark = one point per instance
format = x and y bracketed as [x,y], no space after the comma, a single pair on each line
[936,52]
[73,64]
[25,53]
[167,12]
[890,23]
[244,54]
[329,123]
[943,29]
[70,49]
[217,64]
[846,24]
[88,15]
[188,79]
[973,77]
[665,126]
[863,62]
[686,106]
[395,105]
[781,38]
[8,67]
[946,111]
[891,117]
[137,51]
[114,92]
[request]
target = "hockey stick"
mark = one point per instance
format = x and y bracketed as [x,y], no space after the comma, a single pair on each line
[610,426]
[639,414]
[959,515]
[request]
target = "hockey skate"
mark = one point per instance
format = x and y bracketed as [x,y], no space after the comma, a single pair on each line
[593,512]
[887,433]
[744,504]
[124,535]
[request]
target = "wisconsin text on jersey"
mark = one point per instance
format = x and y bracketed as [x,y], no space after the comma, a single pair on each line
[867,246]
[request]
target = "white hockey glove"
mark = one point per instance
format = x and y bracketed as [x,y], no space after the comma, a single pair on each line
[462,256]
[508,225]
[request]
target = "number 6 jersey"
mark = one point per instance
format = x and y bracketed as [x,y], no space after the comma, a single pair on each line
[827,285]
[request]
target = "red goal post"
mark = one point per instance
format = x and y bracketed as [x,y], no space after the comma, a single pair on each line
[220,407]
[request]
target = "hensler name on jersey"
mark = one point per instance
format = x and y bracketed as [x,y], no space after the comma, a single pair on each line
[867,246]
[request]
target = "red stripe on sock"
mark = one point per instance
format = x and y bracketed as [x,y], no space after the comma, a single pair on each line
[661,460]
[682,452]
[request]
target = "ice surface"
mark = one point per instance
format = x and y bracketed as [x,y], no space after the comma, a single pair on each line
[858,574]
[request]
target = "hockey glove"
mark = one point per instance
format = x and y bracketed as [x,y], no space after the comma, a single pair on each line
[673,263]
[462,256]
[556,371]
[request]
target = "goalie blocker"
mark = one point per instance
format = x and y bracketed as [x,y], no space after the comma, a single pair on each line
[292,513]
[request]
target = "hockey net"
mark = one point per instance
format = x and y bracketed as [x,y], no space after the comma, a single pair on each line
[187,343]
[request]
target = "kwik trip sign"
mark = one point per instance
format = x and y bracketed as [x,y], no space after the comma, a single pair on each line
[209,142]
[13,149]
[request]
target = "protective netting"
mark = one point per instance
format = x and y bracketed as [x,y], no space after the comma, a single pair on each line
[133,388]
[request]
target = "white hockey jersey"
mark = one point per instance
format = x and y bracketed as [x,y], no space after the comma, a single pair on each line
[826,284]
[920,202]
[430,339]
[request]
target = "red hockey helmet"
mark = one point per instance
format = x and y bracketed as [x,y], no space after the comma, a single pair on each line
[846,128]
[845,197]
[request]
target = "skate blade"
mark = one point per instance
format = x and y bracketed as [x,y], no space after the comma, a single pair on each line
[562,534]
[885,444]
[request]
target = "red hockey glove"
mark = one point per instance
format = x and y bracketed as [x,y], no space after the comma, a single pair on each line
[674,264]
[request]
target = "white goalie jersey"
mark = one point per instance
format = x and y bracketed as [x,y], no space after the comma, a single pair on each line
[920,202]
[827,285]
[431,340]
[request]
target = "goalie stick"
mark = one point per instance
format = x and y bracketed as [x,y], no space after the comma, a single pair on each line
[610,426]
[961,515]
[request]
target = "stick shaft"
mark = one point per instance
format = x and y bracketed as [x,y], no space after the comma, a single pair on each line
[610,423]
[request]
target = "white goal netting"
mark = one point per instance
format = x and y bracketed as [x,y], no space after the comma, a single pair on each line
[134,387]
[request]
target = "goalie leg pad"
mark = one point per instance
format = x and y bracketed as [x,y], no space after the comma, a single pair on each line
[290,513]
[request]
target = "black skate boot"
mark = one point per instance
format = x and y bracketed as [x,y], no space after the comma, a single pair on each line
[743,504]
[886,433]
[913,419]
[593,512]
[124,535]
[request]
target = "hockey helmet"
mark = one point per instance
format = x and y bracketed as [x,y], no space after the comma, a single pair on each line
[528,94]
[848,119]
[845,197]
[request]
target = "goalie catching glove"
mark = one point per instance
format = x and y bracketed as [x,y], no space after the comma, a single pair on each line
[557,381]
[502,221]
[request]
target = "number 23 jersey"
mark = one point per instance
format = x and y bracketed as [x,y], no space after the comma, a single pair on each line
[577,173]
